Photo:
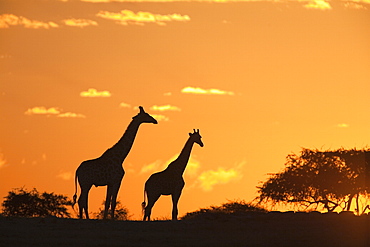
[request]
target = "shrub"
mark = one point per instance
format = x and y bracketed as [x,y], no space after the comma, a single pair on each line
[231,208]
[22,203]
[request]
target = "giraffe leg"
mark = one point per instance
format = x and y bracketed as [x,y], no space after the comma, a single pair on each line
[83,202]
[175,200]
[151,201]
[114,201]
[107,201]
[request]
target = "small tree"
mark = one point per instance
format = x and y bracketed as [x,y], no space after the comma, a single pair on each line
[316,179]
[22,203]
[120,213]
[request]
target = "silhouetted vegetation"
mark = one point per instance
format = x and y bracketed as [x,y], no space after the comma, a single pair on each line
[22,203]
[120,213]
[235,208]
[321,181]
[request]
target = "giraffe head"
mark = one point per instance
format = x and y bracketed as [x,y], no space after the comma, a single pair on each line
[144,117]
[196,137]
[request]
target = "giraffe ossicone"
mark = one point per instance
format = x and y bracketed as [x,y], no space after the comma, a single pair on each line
[107,170]
[170,180]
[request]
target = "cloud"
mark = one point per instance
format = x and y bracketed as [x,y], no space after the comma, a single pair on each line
[7,20]
[210,178]
[356,5]
[198,90]
[160,117]
[126,17]
[71,115]
[158,165]
[342,125]
[124,105]
[2,161]
[40,110]
[318,4]
[157,117]
[93,93]
[152,167]
[65,175]
[165,108]
[79,22]
[52,111]
[192,167]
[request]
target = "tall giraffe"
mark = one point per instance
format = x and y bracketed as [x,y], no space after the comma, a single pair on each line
[107,170]
[170,180]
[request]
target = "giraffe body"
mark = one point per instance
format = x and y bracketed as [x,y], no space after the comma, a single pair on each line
[170,180]
[107,170]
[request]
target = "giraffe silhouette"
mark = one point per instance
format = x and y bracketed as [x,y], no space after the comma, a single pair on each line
[170,180]
[107,170]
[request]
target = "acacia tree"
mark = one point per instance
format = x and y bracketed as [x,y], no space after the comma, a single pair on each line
[22,203]
[317,179]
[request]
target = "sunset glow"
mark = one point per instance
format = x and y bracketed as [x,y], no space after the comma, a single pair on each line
[260,79]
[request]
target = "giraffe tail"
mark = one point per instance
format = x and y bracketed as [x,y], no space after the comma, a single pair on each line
[75,195]
[143,204]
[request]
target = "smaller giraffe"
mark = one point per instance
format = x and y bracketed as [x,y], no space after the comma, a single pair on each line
[170,180]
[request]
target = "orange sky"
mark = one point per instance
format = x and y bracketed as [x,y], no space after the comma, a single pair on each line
[260,79]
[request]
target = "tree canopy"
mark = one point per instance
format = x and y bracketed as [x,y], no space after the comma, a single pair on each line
[22,203]
[328,180]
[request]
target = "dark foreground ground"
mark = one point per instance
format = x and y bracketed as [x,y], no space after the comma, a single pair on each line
[272,229]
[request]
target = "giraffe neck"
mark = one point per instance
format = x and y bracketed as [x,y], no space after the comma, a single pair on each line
[180,163]
[120,150]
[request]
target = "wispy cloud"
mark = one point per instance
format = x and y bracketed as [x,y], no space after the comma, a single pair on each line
[356,4]
[342,125]
[126,17]
[198,90]
[8,20]
[2,161]
[41,110]
[152,167]
[71,115]
[79,22]
[193,167]
[160,117]
[93,93]
[52,111]
[157,117]
[65,175]
[158,165]
[318,4]
[124,105]
[165,108]
[210,178]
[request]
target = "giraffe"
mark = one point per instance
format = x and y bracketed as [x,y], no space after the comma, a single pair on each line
[107,170]
[170,180]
